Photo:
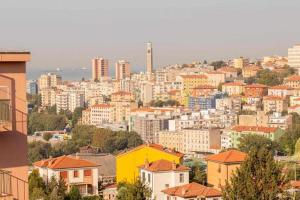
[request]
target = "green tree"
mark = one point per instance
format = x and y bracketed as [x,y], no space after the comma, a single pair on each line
[38,150]
[36,182]
[135,191]
[297,147]
[74,194]
[268,77]
[247,142]
[259,177]
[82,134]
[76,115]
[198,174]
[218,64]
[47,136]
[37,194]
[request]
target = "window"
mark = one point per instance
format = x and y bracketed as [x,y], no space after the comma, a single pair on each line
[219,168]
[149,178]
[181,178]
[63,175]
[166,185]
[143,176]
[88,172]
[75,174]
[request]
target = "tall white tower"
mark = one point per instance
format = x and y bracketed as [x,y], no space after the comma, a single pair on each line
[294,57]
[149,58]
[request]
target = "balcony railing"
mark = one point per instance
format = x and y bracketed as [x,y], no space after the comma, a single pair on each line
[11,186]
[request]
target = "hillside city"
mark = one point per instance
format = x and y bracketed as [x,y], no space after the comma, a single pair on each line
[206,130]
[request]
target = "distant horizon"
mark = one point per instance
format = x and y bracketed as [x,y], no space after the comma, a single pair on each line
[71,32]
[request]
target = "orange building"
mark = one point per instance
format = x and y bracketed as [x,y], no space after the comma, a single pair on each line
[250,71]
[220,167]
[256,90]
[13,125]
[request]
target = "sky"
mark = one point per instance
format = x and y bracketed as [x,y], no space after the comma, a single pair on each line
[69,33]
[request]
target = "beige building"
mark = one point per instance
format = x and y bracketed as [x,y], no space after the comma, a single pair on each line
[102,114]
[86,117]
[239,63]
[274,104]
[48,97]
[122,69]
[191,141]
[260,119]
[294,57]
[123,103]
[292,81]
[13,125]
[48,81]
[99,69]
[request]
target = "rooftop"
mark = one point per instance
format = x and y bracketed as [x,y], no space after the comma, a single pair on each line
[163,165]
[192,190]
[64,162]
[254,128]
[231,156]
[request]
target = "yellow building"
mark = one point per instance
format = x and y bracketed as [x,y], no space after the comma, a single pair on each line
[127,163]
[220,167]
[189,82]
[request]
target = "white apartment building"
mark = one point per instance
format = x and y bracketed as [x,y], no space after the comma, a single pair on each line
[48,96]
[69,100]
[163,174]
[191,141]
[101,114]
[294,57]
[146,92]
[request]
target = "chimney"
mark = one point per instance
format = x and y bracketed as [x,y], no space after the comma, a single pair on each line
[76,156]
[146,163]
[174,165]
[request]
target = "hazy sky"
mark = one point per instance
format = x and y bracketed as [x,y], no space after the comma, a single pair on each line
[66,33]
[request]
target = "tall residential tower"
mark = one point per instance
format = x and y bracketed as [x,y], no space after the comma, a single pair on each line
[294,57]
[149,58]
[99,69]
[122,69]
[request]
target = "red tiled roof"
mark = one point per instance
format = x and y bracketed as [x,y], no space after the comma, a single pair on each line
[64,162]
[231,156]
[293,78]
[270,97]
[234,84]
[194,76]
[164,165]
[254,128]
[157,147]
[294,107]
[295,184]
[192,190]
[280,87]
[256,85]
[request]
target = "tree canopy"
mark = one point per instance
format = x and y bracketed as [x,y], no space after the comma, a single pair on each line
[259,177]
[135,191]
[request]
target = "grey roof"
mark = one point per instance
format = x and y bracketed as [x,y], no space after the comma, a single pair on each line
[106,162]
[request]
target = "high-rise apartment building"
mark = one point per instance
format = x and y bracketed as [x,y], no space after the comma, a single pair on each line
[149,58]
[122,69]
[49,80]
[294,57]
[31,87]
[240,62]
[13,125]
[99,69]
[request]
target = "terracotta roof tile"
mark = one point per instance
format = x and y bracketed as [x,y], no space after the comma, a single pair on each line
[164,165]
[101,106]
[254,128]
[121,93]
[231,156]
[64,162]
[270,97]
[256,85]
[205,87]
[293,78]
[192,190]
[280,87]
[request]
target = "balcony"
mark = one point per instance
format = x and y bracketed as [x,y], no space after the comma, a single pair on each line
[12,187]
